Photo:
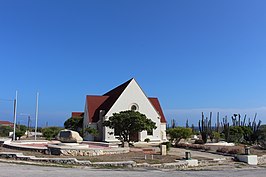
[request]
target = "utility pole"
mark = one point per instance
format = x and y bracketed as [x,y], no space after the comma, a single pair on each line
[15,115]
[36,116]
[28,126]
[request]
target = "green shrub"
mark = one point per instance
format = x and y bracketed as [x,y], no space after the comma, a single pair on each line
[19,133]
[4,131]
[178,133]
[216,136]
[51,132]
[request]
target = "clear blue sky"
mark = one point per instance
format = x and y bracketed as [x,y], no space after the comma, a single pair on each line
[193,55]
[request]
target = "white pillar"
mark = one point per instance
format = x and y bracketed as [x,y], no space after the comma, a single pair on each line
[36,116]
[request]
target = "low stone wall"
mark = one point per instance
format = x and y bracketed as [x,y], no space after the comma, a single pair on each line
[215,162]
[26,148]
[100,144]
[55,149]
[262,160]
[68,161]
[174,165]
[73,161]
[89,152]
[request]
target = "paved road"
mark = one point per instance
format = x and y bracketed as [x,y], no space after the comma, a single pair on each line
[15,170]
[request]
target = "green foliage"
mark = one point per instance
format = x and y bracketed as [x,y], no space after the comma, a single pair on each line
[74,124]
[216,136]
[22,128]
[262,136]
[4,131]
[39,129]
[92,131]
[51,132]
[247,133]
[236,134]
[127,123]
[178,133]
[19,133]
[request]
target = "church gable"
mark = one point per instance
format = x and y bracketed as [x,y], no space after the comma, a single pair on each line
[133,98]
[127,96]
[96,103]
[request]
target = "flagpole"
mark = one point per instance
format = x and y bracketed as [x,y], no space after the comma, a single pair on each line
[36,116]
[15,115]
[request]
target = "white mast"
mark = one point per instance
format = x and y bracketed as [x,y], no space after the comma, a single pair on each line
[36,116]
[15,115]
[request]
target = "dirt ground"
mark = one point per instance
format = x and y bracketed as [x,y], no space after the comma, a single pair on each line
[135,155]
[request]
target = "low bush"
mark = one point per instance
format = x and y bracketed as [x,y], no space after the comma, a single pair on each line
[51,132]
[222,150]
[193,146]
[199,142]
[229,151]
[234,151]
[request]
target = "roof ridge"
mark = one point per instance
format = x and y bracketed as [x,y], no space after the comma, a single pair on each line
[119,89]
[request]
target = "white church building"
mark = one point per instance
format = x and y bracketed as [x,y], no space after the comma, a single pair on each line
[127,96]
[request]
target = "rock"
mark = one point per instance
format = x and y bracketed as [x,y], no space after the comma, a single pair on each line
[69,136]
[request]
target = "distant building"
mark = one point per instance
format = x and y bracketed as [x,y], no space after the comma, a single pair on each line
[127,96]
[6,123]
[78,115]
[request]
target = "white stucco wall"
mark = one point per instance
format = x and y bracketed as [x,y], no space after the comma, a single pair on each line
[163,132]
[134,95]
[86,124]
[86,119]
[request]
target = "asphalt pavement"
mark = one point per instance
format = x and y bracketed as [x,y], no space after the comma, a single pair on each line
[17,170]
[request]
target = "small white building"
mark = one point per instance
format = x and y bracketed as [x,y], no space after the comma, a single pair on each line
[127,96]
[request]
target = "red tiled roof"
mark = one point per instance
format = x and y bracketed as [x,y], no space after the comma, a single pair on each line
[105,102]
[116,92]
[155,102]
[94,105]
[3,122]
[77,114]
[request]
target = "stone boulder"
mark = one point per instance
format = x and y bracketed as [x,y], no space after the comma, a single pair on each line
[69,136]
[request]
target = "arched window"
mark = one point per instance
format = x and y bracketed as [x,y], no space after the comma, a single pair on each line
[134,108]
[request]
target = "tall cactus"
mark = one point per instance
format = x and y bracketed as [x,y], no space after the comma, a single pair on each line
[255,129]
[204,127]
[217,126]
[226,128]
